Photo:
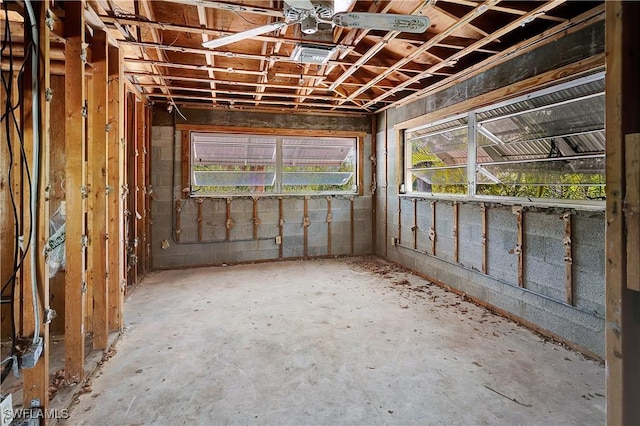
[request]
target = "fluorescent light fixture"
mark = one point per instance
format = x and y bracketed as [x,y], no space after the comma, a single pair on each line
[243,35]
[311,54]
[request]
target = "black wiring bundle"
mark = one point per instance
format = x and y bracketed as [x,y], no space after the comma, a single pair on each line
[9,122]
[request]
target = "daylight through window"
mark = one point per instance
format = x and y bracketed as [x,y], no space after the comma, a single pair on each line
[545,145]
[253,164]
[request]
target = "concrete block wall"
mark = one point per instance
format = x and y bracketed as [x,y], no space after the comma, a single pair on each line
[541,302]
[242,247]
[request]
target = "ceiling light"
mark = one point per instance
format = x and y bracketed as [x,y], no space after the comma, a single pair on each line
[312,54]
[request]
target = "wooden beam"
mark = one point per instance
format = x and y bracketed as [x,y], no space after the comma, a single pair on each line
[622,108]
[329,220]
[75,183]
[234,101]
[433,235]
[98,253]
[280,226]
[115,175]
[305,227]
[576,24]
[185,162]
[483,212]
[136,186]
[231,7]
[36,136]
[88,309]
[519,249]
[414,228]
[632,208]
[480,9]
[186,128]
[456,215]
[568,258]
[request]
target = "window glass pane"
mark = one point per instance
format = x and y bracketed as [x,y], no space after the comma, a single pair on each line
[578,178]
[547,144]
[318,164]
[238,163]
[553,121]
[227,163]
[438,158]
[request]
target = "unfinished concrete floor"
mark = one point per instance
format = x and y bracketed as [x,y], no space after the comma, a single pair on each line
[345,341]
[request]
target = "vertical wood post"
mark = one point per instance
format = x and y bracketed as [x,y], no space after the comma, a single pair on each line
[414,228]
[622,97]
[305,226]
[115,176]
[433,236]
[483,212]
[256,219]
[36,379]
[179,220]
[280,226]
[352,222]
[329,220]
[75,183]
[140,210]
[455,231]
[200,219]
[519,249]
[98,199]
[229,221]
[568,258]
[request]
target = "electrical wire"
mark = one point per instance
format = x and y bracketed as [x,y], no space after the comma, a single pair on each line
[34,198]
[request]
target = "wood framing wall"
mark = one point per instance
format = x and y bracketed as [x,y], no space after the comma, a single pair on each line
[82,178]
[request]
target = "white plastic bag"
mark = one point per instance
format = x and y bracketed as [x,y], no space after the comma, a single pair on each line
[54,252]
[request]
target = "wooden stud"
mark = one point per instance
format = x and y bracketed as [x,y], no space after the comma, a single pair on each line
[352,223]
[374,182]
[98,198]
[414,228]
[229,222]
[147,191]
[75,183]
[280,226]
[399,241]
[200,219]
[455,231]
[305,226]
[622,109]
[139,185]
[7,224]
[186,164]
[36,379]
[433,236]
[115,204]
[256,219]
[519,249]
[386,184]
[483,213]
[329,220]
[632,208]
[568,258]
[88,252]
[179,220]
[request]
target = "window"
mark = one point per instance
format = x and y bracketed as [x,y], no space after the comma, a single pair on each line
[545,145]
[253,164]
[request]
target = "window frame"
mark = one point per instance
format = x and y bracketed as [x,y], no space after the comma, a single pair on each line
[472,164]
[186,163]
